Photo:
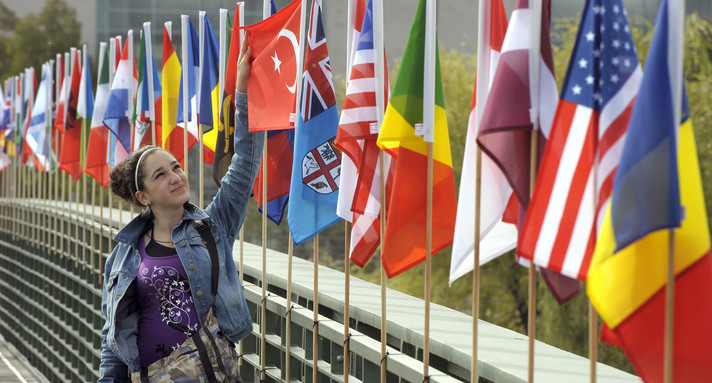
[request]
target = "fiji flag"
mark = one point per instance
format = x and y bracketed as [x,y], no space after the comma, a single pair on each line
[316,168]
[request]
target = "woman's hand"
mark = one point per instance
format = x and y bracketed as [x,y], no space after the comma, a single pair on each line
[244,63]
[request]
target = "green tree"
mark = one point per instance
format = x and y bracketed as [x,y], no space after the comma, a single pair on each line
[38,38]
[8,19]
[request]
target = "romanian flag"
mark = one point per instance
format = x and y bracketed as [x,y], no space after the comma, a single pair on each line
[661,187]
[404,241]
[208,92]
[172,134]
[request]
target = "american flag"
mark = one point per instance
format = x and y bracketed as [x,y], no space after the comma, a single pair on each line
[581,157]
[360,198]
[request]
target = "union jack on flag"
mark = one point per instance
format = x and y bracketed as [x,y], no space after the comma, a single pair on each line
[318,92]
[581,157]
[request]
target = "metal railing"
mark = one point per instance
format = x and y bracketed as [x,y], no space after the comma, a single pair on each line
[50,300]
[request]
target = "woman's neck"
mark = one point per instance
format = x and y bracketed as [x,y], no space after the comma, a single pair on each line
[165,220]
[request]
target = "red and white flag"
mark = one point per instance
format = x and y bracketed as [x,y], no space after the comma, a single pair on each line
[579,164]
[359,190]
[273,77]
[497,237]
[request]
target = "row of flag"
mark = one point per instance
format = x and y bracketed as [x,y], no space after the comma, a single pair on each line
[618,172]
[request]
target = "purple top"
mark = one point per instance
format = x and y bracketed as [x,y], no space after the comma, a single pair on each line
[168,313]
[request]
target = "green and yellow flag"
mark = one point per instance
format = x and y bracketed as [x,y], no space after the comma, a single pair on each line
[404,241]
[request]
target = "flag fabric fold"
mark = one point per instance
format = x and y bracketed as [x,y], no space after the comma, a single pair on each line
[404,239]
[628,273]
[273,77]
[316,167]
[496,236]
[360,186]
[580,160]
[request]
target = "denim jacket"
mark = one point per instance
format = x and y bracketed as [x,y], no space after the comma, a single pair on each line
[224,215]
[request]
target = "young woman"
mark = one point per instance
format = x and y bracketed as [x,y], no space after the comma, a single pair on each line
[157,287]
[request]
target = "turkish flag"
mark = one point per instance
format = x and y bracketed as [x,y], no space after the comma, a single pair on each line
[273,79]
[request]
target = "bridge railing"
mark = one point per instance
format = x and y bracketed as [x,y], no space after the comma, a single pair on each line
[51,265]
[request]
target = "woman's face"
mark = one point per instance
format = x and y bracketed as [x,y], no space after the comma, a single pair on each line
[164,182]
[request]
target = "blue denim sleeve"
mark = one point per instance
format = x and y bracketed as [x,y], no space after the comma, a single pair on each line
[111,368]
[228,208]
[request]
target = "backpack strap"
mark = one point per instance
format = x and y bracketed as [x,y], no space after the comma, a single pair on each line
[209,242]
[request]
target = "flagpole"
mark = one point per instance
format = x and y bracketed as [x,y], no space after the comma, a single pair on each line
[48,148]
[482,91]
[132,100]
[149,76]
[534,69]
[110,156]
[428,136]
[82,163]
[347,292]
[676,12]
[668,364]
[263,316]
[184,79]
[288,332]
[350,16]
[266,12]
[315,311]
[199,90]
[222,60]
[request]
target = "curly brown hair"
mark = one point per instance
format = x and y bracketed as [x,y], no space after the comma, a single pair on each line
[122,176]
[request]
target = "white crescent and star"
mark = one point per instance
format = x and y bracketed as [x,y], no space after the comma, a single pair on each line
[277,62]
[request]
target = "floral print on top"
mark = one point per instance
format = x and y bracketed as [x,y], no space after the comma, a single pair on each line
[168,313]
